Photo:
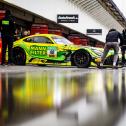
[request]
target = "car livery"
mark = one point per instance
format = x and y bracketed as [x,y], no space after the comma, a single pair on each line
[43,49]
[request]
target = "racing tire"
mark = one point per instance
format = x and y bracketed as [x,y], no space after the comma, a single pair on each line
[82,58]
[19,56]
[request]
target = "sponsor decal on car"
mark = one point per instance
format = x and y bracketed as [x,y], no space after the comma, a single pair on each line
[38,50]
[52,52]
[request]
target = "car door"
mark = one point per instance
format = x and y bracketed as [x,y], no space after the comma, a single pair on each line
[41,47]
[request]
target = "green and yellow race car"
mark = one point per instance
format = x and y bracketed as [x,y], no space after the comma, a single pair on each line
[44,49]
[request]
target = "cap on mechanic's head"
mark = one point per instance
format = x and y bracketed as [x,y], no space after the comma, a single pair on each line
[112,29]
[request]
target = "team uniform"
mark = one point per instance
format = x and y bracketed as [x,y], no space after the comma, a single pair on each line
[7,26]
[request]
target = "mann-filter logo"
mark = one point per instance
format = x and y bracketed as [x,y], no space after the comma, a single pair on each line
[43,51]
[38,50]
[69,18]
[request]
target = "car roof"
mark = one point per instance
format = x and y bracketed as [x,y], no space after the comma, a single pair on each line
[48,35]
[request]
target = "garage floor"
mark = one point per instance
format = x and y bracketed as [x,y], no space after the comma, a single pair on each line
[62,96]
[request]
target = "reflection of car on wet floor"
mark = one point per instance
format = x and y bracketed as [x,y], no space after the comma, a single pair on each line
[53,49]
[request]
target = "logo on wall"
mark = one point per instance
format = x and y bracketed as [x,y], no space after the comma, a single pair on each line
[67,18]
[94,31]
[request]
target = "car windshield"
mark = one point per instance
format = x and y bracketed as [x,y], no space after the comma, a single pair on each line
[61,40]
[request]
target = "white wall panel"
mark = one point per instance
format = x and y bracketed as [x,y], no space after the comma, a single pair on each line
[121,4]
[50,8]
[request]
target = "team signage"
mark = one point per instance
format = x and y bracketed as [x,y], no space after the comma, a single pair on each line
[94,31]
[67,18]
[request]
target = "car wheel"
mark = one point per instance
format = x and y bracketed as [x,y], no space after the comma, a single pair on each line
[19,56]
[82,58]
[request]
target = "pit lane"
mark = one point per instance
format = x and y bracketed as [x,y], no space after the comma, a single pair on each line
[53,95]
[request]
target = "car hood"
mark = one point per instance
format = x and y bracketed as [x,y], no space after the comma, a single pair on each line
[76,47]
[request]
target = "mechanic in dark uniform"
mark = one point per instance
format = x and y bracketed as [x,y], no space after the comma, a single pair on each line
[111,43]
[7,28]
[123,46]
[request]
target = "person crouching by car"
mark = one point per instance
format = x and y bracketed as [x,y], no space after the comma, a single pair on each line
[111,43]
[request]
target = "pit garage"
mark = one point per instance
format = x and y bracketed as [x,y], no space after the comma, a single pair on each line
[38,24]
[34,23]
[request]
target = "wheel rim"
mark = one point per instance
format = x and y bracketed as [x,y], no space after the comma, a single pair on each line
[81,58]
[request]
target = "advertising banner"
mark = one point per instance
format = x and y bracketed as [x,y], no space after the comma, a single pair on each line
[94,31]
[67,18]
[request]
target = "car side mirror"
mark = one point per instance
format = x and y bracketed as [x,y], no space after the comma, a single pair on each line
[29,40]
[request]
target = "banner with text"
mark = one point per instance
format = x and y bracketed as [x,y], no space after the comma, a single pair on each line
[67,18]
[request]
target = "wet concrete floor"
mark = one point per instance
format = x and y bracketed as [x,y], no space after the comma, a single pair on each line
[34,96]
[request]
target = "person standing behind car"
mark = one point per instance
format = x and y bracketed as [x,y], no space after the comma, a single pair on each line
[26,32]
[111,43]
[18,33]
[7,28]
[123,46]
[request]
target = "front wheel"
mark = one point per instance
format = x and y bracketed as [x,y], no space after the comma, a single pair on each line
[82,58]
[19,56]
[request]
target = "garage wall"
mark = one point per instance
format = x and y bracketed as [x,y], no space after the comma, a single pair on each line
[50,8]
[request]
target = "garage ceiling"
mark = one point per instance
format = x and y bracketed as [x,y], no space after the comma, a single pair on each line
[105,11]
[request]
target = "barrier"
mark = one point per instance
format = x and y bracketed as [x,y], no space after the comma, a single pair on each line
[84,41]
[55,31]
[76,40]
[0,49]
[39,28]
[2,14]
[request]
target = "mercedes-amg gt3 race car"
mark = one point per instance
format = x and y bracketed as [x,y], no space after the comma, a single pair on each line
[44,49]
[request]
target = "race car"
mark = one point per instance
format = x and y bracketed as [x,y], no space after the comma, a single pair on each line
[44,49]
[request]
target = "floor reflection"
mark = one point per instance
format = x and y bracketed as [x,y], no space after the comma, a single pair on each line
[112,93]
[116,93]
[24,96]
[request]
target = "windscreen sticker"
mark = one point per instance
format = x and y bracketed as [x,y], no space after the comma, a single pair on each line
[52,51]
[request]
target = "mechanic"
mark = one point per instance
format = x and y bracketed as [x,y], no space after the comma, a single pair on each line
[111,43]
[123,46]
[18,33]
[26,32]
[7,28]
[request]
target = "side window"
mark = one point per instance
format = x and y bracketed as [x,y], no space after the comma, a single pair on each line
[44,40]
[30,39]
